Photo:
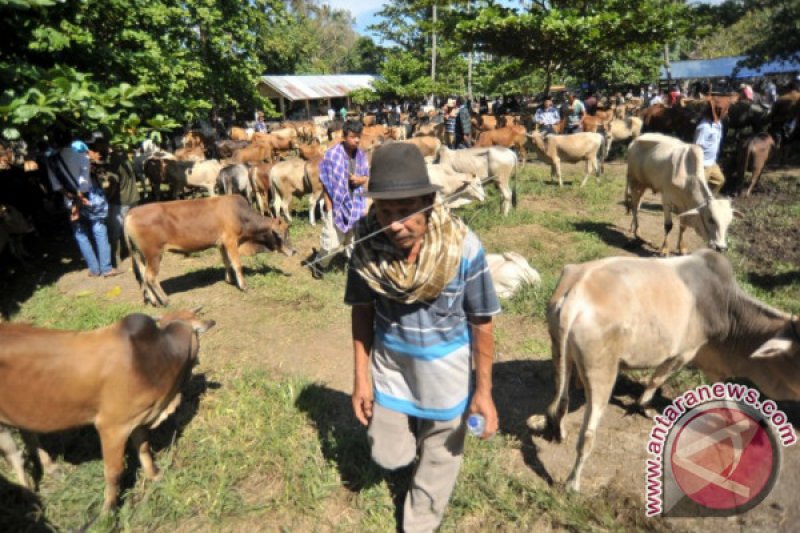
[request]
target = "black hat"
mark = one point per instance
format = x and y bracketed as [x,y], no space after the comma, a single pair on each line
[398,171]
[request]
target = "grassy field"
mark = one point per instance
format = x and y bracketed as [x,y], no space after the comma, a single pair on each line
[251,450]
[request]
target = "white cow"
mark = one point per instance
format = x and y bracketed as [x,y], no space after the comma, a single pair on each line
[457,189]
[509,272]
[660,313]
[675,169]
[496,162]
[622,130]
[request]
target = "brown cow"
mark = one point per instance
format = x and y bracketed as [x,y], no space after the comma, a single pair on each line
[255,153]
[429,146]
[511,136]
[239,134]
[194,225]
[191,153]
[753,156]
[124,379]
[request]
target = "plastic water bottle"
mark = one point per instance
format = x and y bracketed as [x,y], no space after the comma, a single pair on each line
[476,423]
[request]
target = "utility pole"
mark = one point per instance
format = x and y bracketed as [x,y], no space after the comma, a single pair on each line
[433,47]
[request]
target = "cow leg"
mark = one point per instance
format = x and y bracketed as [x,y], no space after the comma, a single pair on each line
[635,203]
[505,192]
[682,250]
[31,441]
[157,296]
[598,392]
[664,251]
[14,456]
[227,262]
[660,375]
[587,171]
[555,171]
[113,444]
[232,250]
[758,168]
[141,441]
[557,410]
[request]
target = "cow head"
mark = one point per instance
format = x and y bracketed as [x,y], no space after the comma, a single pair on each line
[711,221]
[783,351]
[471,188]
[275,237]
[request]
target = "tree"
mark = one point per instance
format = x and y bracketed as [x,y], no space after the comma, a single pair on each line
[588,39]
[782,36]
[365,57]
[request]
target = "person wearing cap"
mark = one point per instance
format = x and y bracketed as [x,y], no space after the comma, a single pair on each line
[260,126]
[344,172]
[422,306]
[69,171]
[708,136]
[547,116]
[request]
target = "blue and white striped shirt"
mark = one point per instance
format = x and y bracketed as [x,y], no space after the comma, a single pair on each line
[421,353]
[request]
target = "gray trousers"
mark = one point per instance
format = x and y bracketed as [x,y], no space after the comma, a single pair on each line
[397,439]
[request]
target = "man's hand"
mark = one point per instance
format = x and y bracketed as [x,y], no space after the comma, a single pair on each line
[363,400]
[74,215]
[357,181]
[484,404]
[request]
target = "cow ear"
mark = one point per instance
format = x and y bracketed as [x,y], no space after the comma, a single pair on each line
[772,348]
[201,326]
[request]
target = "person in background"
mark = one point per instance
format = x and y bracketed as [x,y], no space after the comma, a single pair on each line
[343,113]
[708,136]
[590,104]
[547,116]
[69,171]
[463,124]
[575,113]
[122,194]
[422,303]
[450,114]
[344,172]
[260,125]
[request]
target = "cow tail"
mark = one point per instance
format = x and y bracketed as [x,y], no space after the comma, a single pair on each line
[602,158]
[514,184]
[628,198]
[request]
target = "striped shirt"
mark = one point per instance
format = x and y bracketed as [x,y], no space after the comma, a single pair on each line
[334,173]
[421,352]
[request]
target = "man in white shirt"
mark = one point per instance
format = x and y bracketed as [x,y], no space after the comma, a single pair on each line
[547,116]
[708,136]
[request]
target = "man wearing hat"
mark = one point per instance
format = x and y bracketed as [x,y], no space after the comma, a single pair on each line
[422,305]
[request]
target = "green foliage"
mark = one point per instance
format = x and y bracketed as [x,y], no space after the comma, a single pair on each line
[364,96]
[590,41]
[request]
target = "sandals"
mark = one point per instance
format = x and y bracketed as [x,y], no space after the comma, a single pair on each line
[111,273]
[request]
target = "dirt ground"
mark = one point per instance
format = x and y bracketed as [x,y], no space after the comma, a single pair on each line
[250,333]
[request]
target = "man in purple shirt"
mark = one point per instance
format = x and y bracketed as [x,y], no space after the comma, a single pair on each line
[344,173]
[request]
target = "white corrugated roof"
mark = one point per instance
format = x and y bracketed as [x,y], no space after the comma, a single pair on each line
[722,67]
[317,87]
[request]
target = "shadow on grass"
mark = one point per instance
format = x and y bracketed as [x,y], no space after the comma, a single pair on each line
[21,510]
[82,445]
[344,441]
[772,281]
[613,237]
[54,254]
[207,276]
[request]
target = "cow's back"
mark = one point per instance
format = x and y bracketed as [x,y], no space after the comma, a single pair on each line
[663,163]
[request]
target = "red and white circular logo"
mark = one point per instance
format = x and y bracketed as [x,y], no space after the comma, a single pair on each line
[725,457]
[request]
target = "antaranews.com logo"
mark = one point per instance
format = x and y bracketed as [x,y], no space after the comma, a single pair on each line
[716,450]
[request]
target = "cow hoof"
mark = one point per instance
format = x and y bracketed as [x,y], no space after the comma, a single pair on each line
[573,485]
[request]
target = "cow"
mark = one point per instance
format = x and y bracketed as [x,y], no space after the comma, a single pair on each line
[509,272]
[155,170]
[225,149]
[194,225]
[254,153]
[429,146]
[235,179]
[191,153]
[240,134]
[622,130]
[13,225]
[124,379]
[496,162]
[675,169]
[259,179]
[584,146]
[660,313]
[295,177]
[753,156]
[511,136]
[456,189]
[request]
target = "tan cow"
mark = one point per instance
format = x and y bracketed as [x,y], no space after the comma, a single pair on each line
[429,146]
[124,379]
[253,154]
[623,312]
[295,178]
[622,131]
[496,163]
[194,225]
[553,149]
[673,168]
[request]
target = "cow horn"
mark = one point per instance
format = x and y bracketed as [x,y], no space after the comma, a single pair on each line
[197,309]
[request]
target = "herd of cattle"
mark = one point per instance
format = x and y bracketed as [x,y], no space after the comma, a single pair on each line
[126,378]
